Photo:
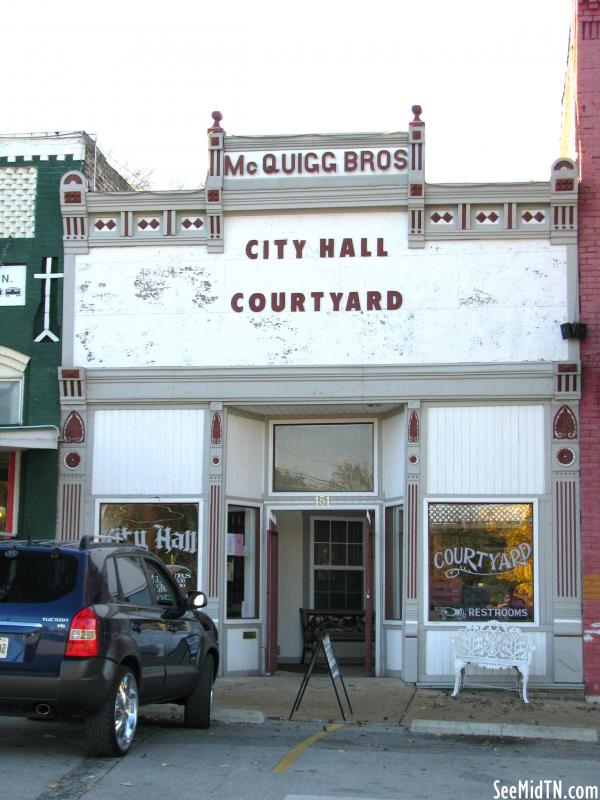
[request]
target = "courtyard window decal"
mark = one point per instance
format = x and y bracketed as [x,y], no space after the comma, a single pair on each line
[323,457]
[169,530]
[481,562]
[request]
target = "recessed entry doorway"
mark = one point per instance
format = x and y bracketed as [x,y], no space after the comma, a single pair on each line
[320,563]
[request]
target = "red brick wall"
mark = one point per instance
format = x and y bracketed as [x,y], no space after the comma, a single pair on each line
[587,42]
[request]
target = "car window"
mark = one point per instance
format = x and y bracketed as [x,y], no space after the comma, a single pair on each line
[132,577]
[36,577]
[165,595]
[111,578]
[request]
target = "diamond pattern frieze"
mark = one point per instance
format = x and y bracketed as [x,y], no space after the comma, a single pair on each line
[105,224]
[441,218]
[191,223]
[148,224]
[487,217]
[533,216]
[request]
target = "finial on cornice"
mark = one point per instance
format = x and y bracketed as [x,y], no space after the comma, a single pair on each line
[216,127]
[417,111]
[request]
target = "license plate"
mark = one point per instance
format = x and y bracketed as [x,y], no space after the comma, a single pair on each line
[3,646]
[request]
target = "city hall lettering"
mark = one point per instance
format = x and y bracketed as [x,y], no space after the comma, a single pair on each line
[347,248]
[370,300]
[363,162]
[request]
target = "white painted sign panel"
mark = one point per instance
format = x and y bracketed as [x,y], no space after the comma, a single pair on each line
[13,281]
[320,289]
[355,162]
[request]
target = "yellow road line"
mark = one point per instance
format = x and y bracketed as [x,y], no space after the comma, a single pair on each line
[295,753]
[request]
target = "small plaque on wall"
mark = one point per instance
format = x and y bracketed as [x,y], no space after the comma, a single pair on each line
[12,285]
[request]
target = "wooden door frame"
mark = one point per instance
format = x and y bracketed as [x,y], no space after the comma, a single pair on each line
[376,511]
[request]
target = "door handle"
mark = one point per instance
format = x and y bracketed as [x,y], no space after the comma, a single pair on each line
[136,627]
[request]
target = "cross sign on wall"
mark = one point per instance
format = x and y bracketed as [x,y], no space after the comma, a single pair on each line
[47,277]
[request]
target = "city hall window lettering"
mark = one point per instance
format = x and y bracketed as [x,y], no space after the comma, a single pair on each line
[169,530]
[323,458]
[481,562]
[243,562]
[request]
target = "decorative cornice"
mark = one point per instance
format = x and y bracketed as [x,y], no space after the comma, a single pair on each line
[328,141]
[291,385]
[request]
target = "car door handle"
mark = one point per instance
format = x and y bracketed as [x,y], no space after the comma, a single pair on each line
[136,627]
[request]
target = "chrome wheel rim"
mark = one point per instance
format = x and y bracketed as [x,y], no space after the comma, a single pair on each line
[126,711]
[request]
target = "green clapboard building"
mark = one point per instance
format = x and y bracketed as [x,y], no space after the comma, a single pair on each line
[31,276]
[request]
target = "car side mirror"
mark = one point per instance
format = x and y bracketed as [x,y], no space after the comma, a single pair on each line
[196,600]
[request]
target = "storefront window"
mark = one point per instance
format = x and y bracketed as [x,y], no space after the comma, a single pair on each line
[323,457]
[10,402]
[3,492]
[481,562]
[7,493]
[170,530]
[393,562]
[243,562]
[338,565]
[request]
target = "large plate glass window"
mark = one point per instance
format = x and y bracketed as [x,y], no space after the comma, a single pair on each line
[323,457]
[170,530]
[338,565]
[481,562]
[243,562]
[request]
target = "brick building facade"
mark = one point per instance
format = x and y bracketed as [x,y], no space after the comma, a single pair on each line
[586,41]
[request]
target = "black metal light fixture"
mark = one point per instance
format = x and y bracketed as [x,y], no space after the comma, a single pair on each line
[573,330]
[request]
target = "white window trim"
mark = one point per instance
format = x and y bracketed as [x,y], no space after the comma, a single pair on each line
[327,421]
[338,567]
[425,550]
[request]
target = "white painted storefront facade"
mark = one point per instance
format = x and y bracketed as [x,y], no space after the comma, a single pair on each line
[353,383]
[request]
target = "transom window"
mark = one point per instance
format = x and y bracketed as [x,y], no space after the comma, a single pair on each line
[338,565]
[323,457]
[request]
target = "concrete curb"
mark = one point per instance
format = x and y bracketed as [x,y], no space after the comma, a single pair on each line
[231,715]
[455,728]
[225,715]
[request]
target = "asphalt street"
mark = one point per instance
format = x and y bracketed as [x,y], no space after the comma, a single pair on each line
[46,761]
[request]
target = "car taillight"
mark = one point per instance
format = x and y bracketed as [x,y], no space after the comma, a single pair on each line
[84,633]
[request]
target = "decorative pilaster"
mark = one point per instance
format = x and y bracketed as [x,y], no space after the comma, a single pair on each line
[413,480]
[215,500]
[416,180]
[563,202]
[73,206]
[214,186]
[568,666]
[72,453]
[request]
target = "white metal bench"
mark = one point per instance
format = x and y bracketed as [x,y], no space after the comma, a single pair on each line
[493,645]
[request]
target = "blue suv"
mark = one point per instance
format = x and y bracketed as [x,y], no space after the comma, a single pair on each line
[95,630]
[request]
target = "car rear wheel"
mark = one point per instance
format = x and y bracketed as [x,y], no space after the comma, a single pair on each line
[197,703]
[110,732]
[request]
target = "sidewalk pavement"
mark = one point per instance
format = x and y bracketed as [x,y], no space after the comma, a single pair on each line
[389,701]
